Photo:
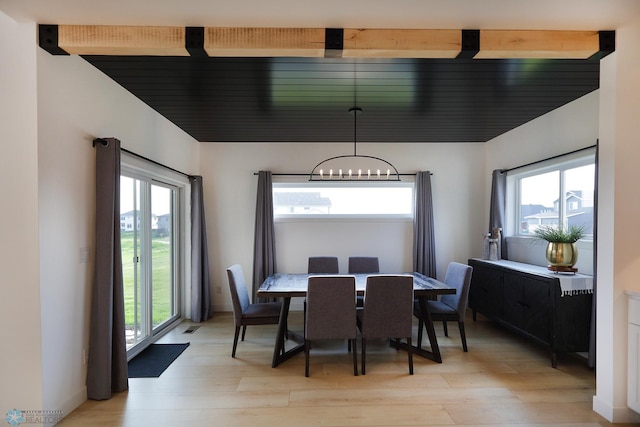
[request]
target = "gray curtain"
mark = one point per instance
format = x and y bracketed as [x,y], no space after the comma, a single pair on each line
[107,363]
[424,248]
[591,360]
[264,248]
[498,206]
[200,287]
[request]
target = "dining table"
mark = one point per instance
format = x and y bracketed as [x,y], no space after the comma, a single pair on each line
[291,285]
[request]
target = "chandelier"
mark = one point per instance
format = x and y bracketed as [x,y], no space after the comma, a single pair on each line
[354,167]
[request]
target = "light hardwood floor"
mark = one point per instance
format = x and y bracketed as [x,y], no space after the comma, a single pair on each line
[502,380]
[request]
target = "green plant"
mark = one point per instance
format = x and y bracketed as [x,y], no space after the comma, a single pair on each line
[554,234]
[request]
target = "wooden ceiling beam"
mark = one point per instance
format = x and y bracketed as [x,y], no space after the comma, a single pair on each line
[264,42]
[388,43]
[501,44]
[319,42]
[122,40]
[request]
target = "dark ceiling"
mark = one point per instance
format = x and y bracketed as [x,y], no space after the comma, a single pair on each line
[307,100]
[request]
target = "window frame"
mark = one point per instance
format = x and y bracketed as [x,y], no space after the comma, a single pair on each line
[137,168]
[293,183]
[561,164]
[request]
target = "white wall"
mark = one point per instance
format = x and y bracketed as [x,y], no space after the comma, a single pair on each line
[20,358]
[230,196]
[77,103]
[568,128]
[618,213]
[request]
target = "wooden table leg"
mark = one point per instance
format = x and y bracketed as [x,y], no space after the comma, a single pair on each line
[434,354]
[431,332]
[279,353]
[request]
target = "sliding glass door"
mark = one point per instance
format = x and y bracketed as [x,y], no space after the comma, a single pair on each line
[149,256]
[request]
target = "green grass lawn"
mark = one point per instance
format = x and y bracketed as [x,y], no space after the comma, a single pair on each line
[160,273]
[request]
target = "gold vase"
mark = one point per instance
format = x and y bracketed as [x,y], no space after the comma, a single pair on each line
[562,254]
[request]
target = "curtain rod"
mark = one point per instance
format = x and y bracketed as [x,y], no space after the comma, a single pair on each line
[548,158]
[306,174]
[105,142]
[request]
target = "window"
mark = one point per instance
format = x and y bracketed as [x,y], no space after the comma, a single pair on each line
[556,193]
[311,199]
[150,237]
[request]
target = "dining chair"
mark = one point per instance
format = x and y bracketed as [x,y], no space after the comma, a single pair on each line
[387,311]
[449,308]
[244,312]
[363,264]
[323,264]
[317,265]
[331,313]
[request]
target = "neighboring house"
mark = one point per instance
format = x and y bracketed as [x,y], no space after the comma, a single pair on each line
[164,224]
[301,203]
[578,213]
[127,220]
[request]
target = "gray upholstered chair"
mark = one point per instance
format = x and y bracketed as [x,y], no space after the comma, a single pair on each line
[318,265]
[387,311]
[244,312]
[363,264]
[323,264]
[450,308]
[331,313]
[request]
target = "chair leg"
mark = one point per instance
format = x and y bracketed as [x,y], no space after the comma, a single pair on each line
[410,353]
[420,327]
[304,316]
[364,355]
[244,330]
[463,336]
[307,348]
[444,325]
[355,357]
[235,341]
[349,346]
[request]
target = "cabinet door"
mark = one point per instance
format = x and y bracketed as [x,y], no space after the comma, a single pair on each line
[514,302]
[537,308]
[485,294]
[527,304]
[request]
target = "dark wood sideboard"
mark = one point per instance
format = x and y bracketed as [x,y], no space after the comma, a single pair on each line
[528,300]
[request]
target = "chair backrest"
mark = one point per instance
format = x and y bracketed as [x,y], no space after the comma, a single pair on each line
[323,264]
[239,292]
[388,307]
[363,264]
[331,307]
[458,276]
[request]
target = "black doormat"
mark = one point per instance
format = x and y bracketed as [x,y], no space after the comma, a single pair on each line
[153,360]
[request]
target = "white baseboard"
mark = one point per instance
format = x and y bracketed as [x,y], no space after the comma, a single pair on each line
[74,401]
[613,414]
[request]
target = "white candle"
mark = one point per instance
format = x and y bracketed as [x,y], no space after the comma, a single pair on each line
[330,173]
[388,172]
[368,173]
[359,173]
[349,173]
[340,174]
[321,174]
[378,173]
